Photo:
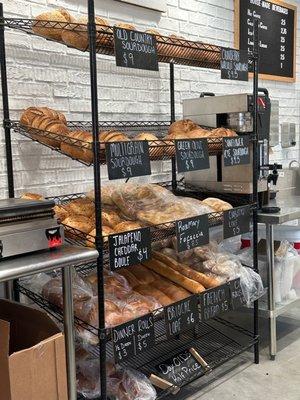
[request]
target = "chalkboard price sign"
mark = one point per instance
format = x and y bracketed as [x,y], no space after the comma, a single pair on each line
[135,49]
[129,248]
[236,150]
[128,159]
[234,64]
[192,232]
[236,221]
[181,316]
[277,35]
[133,338]
[237,296]
[180,369]
[214,302]
[191,155]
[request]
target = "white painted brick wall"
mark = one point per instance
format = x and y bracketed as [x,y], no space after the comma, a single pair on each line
[45,73]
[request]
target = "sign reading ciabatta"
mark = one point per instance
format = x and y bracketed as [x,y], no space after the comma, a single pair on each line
[127,159]
[181,316]
[133,337]
[236,150]
[234,64]
[129,248]
[236,221]
[192,232]
[277,22]
[191,155]
[135,49]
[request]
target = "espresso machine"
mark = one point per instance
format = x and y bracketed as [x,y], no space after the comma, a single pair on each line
[234,112]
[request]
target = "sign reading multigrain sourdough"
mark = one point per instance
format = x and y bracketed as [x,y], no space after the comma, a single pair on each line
[180,369]
[128,159]
[236,221]
[181,316]
[133,338]
[236,150]
[135,49]
[277,22]
[129,248]
[192,232]
[191,155]
[234,64]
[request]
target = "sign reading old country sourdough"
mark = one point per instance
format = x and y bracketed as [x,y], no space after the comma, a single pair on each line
[129,248]
[181,316]
[234,64]
[135,49]
[236,221]
[236,150]
[128,159]
[133,337]
[191,155]
[192,232]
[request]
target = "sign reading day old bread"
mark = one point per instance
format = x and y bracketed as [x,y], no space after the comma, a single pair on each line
[277,22]
[236,150]
[129,248]
[181,316]
[179,369]
[192,232]
[191,155]
[135,49]
[236,221]
[133,338]
[128,159]
[234,64]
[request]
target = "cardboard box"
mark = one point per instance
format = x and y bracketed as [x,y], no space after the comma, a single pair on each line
[32,355]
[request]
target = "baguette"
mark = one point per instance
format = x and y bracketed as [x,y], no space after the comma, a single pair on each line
[142,274]
[175,292]
[151,291]
[185,270]
[174,276]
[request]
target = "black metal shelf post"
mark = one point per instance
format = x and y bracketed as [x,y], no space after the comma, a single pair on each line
[97,189]
[255,58]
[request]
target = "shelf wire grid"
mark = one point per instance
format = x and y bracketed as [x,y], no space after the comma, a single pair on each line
[169,49]
[81,151]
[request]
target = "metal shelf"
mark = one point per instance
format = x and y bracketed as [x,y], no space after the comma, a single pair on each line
[170,50]
[161,149]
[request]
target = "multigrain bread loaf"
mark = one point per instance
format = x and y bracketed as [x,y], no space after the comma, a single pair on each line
[78,146]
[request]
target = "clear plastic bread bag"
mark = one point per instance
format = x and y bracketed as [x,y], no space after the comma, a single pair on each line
[251,285]
[137,386]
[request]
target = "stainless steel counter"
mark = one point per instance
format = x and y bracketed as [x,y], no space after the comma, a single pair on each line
[289,211]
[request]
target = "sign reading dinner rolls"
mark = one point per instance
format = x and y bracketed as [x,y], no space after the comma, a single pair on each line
[134,49]
[127,159]
[129,248]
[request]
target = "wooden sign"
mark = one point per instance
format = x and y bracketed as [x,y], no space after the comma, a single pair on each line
[129,248]
[128,159]
[277,36]
[135,49]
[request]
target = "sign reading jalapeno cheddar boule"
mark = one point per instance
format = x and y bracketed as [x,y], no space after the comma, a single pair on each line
[128,159]
[135,49]
[191,155]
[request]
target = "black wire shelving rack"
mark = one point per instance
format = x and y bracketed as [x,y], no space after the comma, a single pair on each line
[212,338]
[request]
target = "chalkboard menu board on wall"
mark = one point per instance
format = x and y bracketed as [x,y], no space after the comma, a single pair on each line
[277,36]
